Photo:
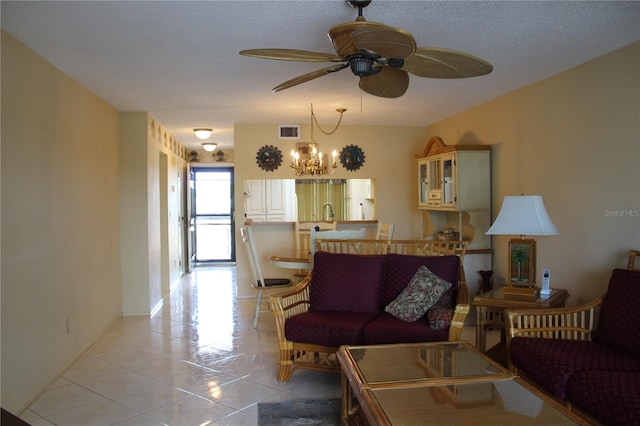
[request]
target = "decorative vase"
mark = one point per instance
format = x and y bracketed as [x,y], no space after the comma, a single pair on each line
[485,283]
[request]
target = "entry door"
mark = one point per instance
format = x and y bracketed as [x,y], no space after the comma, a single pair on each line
[213,215]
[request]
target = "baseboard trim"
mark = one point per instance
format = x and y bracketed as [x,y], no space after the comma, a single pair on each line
[68,364]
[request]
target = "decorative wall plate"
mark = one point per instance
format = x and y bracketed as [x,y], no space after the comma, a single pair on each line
[351,157]
[269,158]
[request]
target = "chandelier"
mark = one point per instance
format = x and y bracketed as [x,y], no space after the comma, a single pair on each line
[315,163]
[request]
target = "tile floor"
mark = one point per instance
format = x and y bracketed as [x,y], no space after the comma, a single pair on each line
[197,362]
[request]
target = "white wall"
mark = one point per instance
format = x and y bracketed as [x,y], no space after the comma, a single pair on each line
[60,221]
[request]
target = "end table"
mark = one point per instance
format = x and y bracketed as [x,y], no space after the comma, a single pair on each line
[490,307]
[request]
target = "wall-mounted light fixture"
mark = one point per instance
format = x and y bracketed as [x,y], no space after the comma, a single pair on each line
[209,146]
[202,133]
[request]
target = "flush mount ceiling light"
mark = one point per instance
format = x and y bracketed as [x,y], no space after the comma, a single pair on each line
[203,133]
[209,146]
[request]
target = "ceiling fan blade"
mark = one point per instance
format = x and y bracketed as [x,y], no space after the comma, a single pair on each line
[340,36]
[386,41]
[435,62]
[388,83]
[291,55]
[308,77]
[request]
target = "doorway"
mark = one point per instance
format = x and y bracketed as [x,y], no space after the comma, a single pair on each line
[212,215]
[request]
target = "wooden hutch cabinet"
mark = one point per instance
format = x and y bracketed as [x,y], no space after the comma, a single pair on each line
[454,192]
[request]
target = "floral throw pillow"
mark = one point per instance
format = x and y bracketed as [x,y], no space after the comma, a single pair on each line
[422,292]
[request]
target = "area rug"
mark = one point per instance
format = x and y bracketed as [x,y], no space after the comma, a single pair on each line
[324,412]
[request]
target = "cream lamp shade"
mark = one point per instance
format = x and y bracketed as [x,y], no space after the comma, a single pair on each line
[523,215]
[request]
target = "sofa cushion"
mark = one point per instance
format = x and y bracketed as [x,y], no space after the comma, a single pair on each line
[423,291]
[388,329]
[400,268]
[328,328]
[346,282]
[613,397]
[439,318]
[550,362]
[619,313]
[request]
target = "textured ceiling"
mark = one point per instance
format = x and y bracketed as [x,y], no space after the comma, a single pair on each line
[179,60]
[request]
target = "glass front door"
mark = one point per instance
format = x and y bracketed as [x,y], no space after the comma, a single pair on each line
[212,215]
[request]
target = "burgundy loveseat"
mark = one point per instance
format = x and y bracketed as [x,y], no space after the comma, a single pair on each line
[343,300]
[586,356]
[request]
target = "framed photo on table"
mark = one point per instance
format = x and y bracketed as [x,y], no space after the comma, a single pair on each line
[522,263]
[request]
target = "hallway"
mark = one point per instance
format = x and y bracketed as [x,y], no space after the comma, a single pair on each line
[199,361]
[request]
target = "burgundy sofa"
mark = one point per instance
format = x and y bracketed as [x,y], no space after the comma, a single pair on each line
[342,302]
[586,356]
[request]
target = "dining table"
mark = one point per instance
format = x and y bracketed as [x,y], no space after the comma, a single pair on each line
[292,259]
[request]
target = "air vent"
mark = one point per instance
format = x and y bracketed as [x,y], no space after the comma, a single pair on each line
[289,132]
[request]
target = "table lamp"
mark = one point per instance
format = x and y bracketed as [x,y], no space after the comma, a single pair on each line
[522,215]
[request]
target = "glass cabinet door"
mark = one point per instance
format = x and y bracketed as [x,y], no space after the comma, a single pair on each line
[448,181]
[435,178]
[423,183]
[437,184]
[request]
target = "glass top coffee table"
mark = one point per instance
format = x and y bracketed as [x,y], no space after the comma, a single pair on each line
[438,383]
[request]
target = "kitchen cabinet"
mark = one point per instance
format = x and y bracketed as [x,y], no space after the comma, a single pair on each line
[269,200]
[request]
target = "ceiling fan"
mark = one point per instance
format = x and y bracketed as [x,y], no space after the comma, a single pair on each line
[382,56]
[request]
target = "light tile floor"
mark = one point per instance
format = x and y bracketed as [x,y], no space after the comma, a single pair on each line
[197,362]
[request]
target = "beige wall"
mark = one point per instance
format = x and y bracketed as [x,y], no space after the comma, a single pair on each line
[152,170]
[91,219]
[574,139]
[389,159]
[60,221]
[134,232]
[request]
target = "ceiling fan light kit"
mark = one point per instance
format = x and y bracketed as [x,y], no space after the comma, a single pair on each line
[380,55]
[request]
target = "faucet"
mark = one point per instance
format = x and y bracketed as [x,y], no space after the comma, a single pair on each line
[331,214]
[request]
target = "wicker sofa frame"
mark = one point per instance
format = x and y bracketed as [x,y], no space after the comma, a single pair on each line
[580,323]
[569,323]
[295,301]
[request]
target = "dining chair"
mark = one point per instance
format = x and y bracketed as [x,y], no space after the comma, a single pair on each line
[259,282]
[385,231]
[302,237]
[302,232]
[335,235]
